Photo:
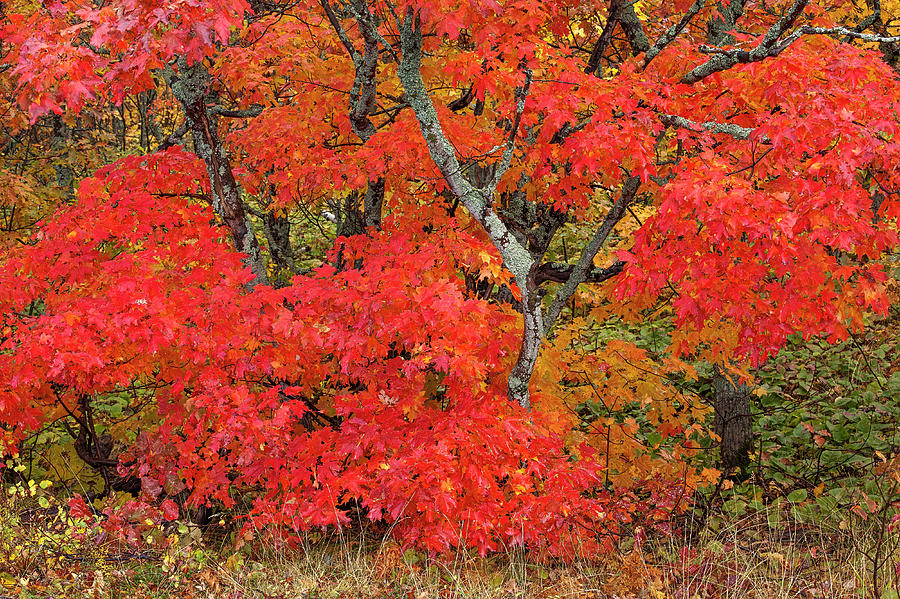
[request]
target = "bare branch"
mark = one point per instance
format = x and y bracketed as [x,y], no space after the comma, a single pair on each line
[849,33]
[243,113]
[768,47]
[560,272]
[669,36]
[585,262]
[477,201]
[173,139]
[735,131]
[339,30]
[723,21]
[521,95]
[594,64]
[631,24]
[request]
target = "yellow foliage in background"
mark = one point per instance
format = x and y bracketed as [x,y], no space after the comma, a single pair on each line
[625,403]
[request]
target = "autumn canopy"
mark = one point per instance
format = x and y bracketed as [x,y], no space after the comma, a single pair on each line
[343,260]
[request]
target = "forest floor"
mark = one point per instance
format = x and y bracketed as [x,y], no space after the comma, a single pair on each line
[744,558]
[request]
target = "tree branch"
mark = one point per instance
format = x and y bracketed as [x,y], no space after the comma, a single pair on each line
[669,36]
[173,139]
[339,30]
[243,113]
[632,26]
[735,131]
[848,33]
[560,272]
[476,200]
[767,48]
[594,65]
[506,160]
[585,262]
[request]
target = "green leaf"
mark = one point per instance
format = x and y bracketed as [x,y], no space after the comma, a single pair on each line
[797,495]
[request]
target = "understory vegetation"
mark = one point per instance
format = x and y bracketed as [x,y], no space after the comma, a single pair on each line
[812,515]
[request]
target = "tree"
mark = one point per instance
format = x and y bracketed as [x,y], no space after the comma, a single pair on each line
[445,138]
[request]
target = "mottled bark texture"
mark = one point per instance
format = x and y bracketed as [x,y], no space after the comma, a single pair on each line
[732,421]
[520,230]
[278,234]
[353,218]
[722,23]
[190,86]
[60,135]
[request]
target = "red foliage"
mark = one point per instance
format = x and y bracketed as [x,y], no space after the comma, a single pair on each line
[116,290]
[380,391]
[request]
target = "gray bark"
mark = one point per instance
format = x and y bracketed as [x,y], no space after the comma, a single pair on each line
[631,25]
[278,235]
[521,230]
[362,103]
[60,135]
[532,337]
[770,46]
[720,26]
[479,203]
[190,86]
[521,246]
[672,32]
[735,131]
[585,264]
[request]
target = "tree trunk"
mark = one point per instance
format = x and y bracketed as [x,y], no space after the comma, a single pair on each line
[59,136]
[532,337]
[278,233]
[191,88]
[732,422]
[723,22]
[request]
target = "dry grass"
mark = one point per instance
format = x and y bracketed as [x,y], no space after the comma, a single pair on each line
[741,561]
[743,558]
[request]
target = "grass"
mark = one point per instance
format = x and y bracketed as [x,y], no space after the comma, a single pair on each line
[732,558]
